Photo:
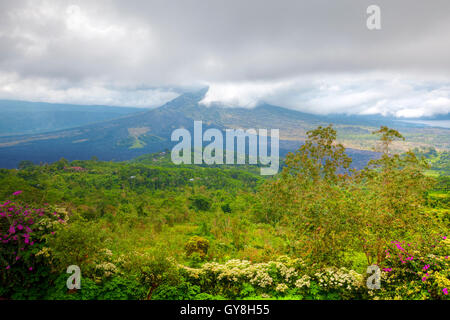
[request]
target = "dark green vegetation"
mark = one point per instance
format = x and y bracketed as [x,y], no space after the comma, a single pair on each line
[148,229]
[149,131]
[21,117]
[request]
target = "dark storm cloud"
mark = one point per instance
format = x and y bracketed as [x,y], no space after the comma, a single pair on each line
[86,51]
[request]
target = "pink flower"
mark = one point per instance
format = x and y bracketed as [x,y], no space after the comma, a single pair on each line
[17,193]
[30,268]
[445,291]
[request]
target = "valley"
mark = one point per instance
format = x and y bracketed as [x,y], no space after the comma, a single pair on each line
[149,131]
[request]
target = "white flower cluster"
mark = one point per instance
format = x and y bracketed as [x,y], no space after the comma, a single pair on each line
[234,270]
[342,278]
[259,275]
[304,281]
[288,273]
[107,265]
[279,275]
[52,223]
[282,287]
[107,268]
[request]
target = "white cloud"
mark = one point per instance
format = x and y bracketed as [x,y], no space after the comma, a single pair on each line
[315,56]
[44,90]
[387,94]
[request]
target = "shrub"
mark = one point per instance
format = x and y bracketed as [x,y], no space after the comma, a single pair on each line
[116,288]
[279,279]
[200,202]
[197,245]
[182,291]
[23,231]
[78,243]
[154,269]
[416,271]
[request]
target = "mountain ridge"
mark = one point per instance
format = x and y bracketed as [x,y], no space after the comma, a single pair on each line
[149,131]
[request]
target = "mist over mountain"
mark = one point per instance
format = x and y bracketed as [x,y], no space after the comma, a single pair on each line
[23,117]
[147,131]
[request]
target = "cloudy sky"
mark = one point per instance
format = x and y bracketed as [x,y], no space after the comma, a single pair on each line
[314,56]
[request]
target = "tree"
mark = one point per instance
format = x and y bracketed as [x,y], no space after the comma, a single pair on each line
[61,163]
[25,164]
[391,194]
[310,198]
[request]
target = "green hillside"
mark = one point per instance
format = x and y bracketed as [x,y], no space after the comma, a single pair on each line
[147,229]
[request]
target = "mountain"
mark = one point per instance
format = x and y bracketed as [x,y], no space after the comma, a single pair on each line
[118,139]
[438,117]
[149,131]
[22,117]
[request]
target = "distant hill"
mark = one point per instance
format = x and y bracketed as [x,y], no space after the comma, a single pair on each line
[22,117]
[149,131]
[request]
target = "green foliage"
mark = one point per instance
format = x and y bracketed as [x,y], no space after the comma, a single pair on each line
[148,229]
[312,198]
[200,202]
[416,271]
[391,195]
[182,291]
[333,211]
[25,164]
[77,243]
[226,208]
[284,278]
[117,288]
[23,231]
[197,245]
[157,270]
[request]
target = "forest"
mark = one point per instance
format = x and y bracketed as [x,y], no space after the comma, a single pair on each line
[150,229]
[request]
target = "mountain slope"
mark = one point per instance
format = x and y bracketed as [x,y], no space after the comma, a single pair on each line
[119,139]
[22,117]
[149,131]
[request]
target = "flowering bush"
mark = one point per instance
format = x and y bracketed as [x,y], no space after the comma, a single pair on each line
[416,272]
[286,276]
[347,283]
[23,230]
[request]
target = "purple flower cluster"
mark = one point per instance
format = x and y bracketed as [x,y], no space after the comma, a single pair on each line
[403,254]
[18,230]
[422,268]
